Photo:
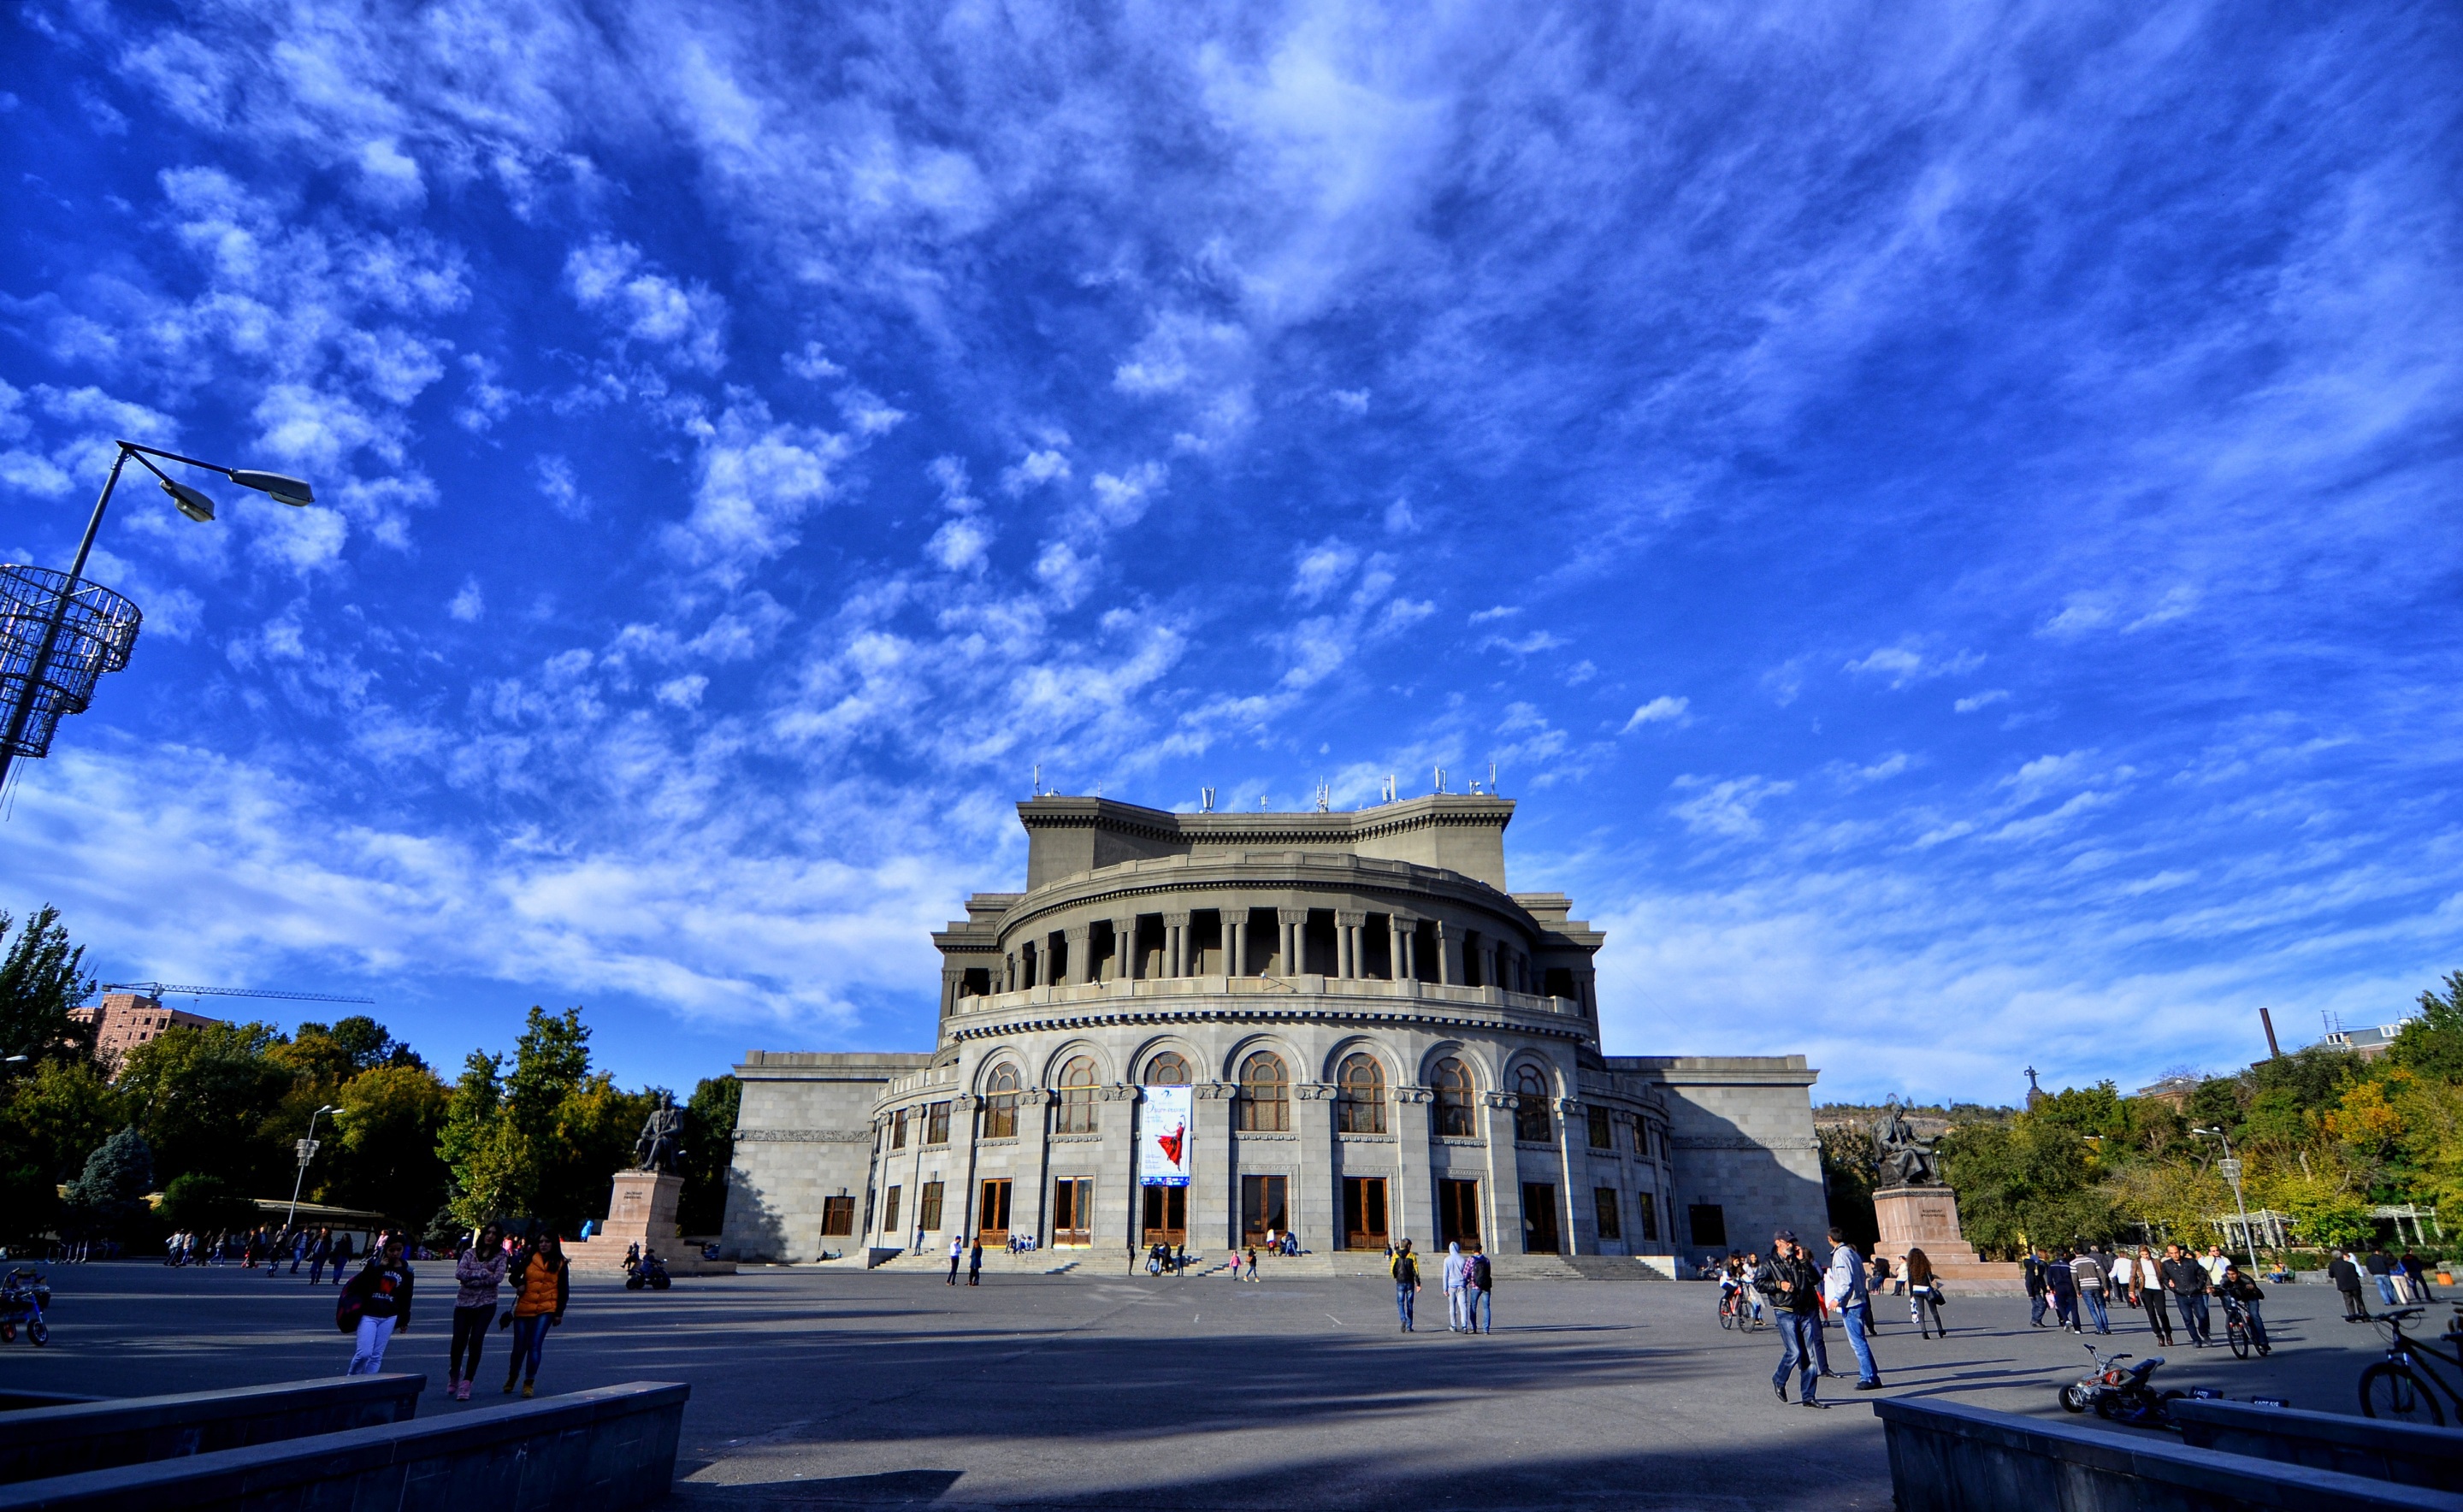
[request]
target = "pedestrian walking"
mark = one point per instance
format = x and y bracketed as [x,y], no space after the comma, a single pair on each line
[542,1285]
[1794,1291]
[2087,1272]
[1483,1283]
[1405,1269]
[477,1272]
[2150,1283]
[2416,1275]
[2187,1280]
[2061,1279]
[1251,1273]
[299,1243]
[342,1256]
[958,1252]
[2031,1270]
[1924,1294]
[975,1262]
[2346,1273]
[1457,1276]
[1843,1288]
[383,1291]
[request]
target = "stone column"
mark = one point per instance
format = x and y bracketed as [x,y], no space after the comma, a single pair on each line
[1350,928]
[1124,949]
[1447,973]
[1316,1187]
[1116,1182]
[1295,922]
[1504,1215]
[962,1117]
[1080,964]
[1411,1206]
[1175,943]
[1575,1219]
[1235,944]
[1031,1210]
[1213,1180]
[1405,930]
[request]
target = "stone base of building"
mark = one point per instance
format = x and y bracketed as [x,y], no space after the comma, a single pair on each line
[1926,1218]
[642,1210]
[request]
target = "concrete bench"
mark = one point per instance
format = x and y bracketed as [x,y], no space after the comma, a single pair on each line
[609,1450]
[2411,1453]
[101,1433]
[1947,1457]
[19,1401]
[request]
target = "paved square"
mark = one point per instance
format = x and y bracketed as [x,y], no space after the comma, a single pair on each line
[836,1389]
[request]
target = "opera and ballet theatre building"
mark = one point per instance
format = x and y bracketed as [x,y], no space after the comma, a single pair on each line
[1203,1028]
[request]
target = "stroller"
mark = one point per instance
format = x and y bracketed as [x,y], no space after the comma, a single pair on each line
[23,1294]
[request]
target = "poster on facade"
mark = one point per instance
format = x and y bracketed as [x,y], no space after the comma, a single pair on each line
[1163,1149]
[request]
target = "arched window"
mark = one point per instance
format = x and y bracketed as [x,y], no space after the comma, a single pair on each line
[1361,1098]
[1531,1118]
[1453,1100]
[1077,1096]
[1000,1104]
[1265,1093]
[1171,1068]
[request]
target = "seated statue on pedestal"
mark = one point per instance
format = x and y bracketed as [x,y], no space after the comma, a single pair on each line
[661,1147]
[1907,1160]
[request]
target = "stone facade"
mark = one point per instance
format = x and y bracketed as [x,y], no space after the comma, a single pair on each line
[1380,1039]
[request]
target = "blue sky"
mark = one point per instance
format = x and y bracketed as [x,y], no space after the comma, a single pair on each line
[1947,517]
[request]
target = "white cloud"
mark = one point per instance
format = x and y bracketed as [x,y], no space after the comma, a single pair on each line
[1045,465]
[687,322]
[554,476]
[1983,700]
[1350,401]
[758,479]
[1322,568]
[467,604]
[959,544]
[1663,710]
[1497,612]
[1725,807]
[1120,498]
[1905,663]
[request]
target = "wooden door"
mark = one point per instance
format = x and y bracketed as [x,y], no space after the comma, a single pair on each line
[1167,1215]
[1538,1218]
[1073,1211]
[1364,1212]
[1262,1208]
[991,1224]
[1458,1214]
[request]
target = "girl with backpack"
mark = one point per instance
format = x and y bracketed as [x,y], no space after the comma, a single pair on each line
[477,1271]
[376,1306]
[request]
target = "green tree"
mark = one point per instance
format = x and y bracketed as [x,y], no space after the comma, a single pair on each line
[2216,1104]
[206,1096]
[203,1204]
[109,1195]
[384,1148]
[2432,1043]
[541,1139]
[709,1153]
[485,1184]
[55,1117]
[2035,1180]
[42,977]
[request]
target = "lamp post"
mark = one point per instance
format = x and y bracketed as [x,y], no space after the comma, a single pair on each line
[2230,1166]
[307,1152]
[42,679]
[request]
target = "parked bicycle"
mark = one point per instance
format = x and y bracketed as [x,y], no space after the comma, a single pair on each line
[2405,1386]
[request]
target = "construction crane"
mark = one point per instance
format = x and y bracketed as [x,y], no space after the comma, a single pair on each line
[165,989]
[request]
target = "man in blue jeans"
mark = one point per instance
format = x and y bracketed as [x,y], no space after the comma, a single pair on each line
[1406,1282]
[1793,1288]
[1843,1285]
[2187,1280]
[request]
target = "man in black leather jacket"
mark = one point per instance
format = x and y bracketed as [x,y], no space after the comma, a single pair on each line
[1794,1287]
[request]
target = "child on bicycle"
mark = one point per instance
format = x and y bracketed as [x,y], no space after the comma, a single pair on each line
[2245,1297]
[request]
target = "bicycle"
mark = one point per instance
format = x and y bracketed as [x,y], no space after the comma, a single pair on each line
[1739,1310]
[2400,1385]
[2237,1332]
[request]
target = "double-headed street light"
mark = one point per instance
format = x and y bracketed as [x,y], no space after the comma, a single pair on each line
[307,1147]
[59,632]
[2230,1166]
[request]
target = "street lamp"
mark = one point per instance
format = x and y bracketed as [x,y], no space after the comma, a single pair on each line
[2230,1166]
[58,632]
[307,1149]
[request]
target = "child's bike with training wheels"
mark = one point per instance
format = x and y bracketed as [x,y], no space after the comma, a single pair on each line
[24,1294]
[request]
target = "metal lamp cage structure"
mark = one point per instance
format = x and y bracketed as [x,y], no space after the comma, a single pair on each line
[97,630]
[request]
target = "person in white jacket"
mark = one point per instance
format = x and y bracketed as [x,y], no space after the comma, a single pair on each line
[1842,1286]
[1457,1296]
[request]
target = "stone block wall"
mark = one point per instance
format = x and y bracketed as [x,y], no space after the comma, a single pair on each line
[803,1135]
[1741,1133]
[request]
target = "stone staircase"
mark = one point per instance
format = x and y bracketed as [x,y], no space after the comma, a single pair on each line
[997,1263]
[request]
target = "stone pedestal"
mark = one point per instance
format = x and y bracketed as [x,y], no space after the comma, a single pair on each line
[1926,1218]
[642,1210]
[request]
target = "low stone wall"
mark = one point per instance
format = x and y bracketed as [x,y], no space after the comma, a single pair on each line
[2411,1453]
[609,1449]
[1946,1457]
[102,1432]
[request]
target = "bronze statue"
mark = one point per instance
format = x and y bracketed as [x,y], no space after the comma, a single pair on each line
[1907,1160]
[661,1145]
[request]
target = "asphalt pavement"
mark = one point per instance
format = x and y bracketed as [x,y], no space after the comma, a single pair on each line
[825,1388]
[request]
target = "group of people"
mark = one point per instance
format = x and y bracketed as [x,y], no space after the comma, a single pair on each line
[269,1247]
[2079,1286]
[1468,1279]
[532,1266]
[1739,1284]
[2400,1283]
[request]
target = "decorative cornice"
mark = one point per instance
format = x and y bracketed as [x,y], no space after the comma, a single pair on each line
[1577,1031]
[803,1136]
[1415,1094]
[1314,1091]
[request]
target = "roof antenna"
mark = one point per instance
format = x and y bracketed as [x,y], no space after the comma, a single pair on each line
[1441,780]
[1324,798]
[1038,780]
[1492,779]
[1385,795]
[1206,800]
[1261,802]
